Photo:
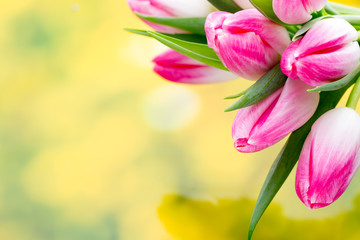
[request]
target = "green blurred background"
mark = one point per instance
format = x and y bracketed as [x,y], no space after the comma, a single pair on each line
[95,146]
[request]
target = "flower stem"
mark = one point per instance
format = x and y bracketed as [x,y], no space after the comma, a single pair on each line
[354,95]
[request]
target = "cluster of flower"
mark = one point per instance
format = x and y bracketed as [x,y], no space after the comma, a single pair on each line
[250,45]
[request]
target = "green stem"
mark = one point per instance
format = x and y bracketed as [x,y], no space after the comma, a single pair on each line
[344,9]
[354,95]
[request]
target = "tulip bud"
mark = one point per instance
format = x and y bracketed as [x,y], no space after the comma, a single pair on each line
[248,43]
[296,11]
[170,8]
[327,52]
[177,67]
[329,159]
[261,125]
[244,4]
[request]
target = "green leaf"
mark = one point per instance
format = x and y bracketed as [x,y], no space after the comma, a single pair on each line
[266,8]
[225,5]
[339,83]
[197,51]
[194,25]
[236,95]
[262,88]
[307,26]
[186,37]
[289,155]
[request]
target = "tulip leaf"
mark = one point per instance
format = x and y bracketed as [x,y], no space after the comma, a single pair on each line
[197,51]
[186,37]
[261,89]
[307,26]
[225,5]
[339,83]
[266,8]
[289,155]
[194,25]
[236,95]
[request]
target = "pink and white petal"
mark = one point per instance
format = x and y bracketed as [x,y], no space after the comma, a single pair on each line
[319,69]
[303,171]
[293,109]
[245,120]
[213,25]
[147,8]
[291,12]
[289,58]
[314,5]
[194,75]
[185,8]
[246,55]
[330,158]
[177,67]
[244,4]
[326,35]
[251,20]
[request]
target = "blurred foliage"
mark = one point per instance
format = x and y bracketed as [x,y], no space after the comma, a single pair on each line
[191,219]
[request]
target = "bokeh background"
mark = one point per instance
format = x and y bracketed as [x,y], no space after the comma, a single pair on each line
[94,146]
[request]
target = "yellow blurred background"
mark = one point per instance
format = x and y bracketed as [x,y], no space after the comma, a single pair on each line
[95,146]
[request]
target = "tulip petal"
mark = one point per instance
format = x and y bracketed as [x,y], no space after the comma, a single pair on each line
[327,52]
[314,5]
[325,35]
[291,12]
[170,8]
[252,20]
[244,4]
[329,66]
[185,8]
[289,58]
[177,67]
[329,159]
[293,109]
[252,59]
[247,42]
[245,120]
[214,21]
[147,8]
[297,11]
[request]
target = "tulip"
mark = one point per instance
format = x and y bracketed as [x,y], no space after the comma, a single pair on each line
[177,67]
[296,11]
[329,158]
[170,8]
[248,43]
[244,4]
[261,125]
[327,52]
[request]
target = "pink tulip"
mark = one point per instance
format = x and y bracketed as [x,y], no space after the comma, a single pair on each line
[177,67]
[244,4]
[170,8]
[248,43]
[329,159]
[261,125]
[296,11]
[327,52]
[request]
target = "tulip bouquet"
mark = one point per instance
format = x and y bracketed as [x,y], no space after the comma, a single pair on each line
[302,57]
